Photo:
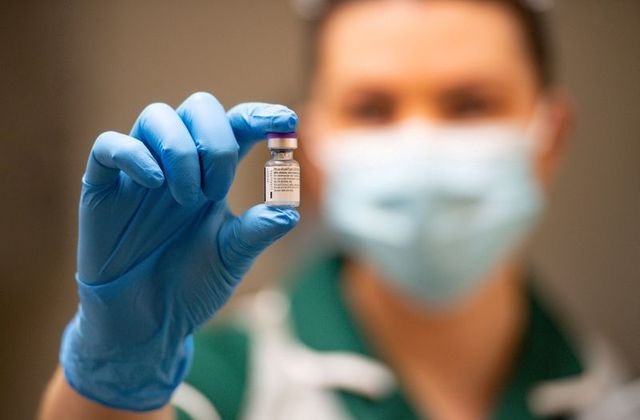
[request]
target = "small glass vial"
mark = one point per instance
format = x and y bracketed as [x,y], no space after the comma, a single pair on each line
[281,172]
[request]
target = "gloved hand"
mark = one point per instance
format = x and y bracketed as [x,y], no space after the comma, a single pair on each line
[159,252]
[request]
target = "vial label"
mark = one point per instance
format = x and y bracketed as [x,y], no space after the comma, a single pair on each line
[282,185]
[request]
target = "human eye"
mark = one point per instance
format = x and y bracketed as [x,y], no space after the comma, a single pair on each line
[469,104]
[369,110]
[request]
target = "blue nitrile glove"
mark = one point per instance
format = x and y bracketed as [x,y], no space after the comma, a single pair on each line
[159,252]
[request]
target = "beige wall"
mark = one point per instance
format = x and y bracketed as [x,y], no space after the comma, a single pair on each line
[590,245]
[74,69]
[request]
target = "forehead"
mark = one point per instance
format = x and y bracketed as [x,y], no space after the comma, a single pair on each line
[422,41]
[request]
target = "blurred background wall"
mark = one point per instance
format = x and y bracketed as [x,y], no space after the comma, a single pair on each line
[72,69]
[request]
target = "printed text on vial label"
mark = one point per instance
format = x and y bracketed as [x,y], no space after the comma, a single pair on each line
[282,183]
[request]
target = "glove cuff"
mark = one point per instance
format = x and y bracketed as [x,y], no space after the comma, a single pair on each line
[137,379]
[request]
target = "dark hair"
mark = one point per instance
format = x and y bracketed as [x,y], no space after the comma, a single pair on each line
[531,20]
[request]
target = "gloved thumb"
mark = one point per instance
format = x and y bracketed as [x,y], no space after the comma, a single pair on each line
[244,237]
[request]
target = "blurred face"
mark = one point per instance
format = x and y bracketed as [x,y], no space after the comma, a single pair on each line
[406,127]
[450,61]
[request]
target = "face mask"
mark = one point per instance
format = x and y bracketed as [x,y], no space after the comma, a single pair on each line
[434,208]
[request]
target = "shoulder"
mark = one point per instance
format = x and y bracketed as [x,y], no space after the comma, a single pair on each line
[218,374]
[572,365]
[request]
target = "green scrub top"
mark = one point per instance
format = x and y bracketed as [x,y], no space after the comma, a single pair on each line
[322,321]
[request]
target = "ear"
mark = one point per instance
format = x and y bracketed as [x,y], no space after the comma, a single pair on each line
[557,132]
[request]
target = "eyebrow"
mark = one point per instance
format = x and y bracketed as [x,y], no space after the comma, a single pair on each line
[476,84]
[480,86]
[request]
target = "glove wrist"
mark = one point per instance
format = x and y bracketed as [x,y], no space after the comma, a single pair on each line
[121,352]
[129,381]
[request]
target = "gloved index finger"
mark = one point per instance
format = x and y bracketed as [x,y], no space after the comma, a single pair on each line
[252,121]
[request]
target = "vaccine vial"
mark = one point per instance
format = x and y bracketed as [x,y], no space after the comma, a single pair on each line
[282,172]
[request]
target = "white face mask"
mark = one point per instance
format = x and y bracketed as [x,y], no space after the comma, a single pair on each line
[434,208]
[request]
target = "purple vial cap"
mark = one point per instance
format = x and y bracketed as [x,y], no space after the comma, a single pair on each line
[289,134]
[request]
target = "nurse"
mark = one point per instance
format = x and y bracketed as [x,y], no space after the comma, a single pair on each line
[430,137]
